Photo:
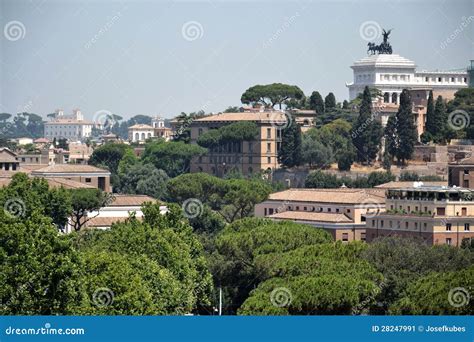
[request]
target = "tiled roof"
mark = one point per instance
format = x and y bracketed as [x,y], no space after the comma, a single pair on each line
[395,185]
[55,183]
[105,221]
[69,168]
[341,195]
[274,116]
[312,216]
[41,141]
[140,126]
[130,200]
[7,156]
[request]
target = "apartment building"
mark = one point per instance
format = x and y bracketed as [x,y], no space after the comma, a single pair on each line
[342,212]
[247,156]
[437,214]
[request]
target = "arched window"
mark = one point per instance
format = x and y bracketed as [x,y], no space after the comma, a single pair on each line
[143,136]
[149,135]
[137,136]
[394,97]
[386,97]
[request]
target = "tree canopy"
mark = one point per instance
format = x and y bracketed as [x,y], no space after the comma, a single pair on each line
[270,95]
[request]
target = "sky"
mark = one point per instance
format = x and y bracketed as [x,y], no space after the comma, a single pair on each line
[167,57]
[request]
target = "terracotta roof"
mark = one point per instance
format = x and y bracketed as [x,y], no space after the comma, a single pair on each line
[54,183]
[340,195]
[105,221]
[41,141]
[403,184]
[140,126]
[312,216]
[69,168]
[274,116]
[130,200]
[7,156]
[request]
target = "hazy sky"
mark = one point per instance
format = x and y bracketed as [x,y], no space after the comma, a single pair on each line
[157,57]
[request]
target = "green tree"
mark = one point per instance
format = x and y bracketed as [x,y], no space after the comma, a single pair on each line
[345,104]
[235,265]
[444,293]
[345,160]
[403,260]
[319,179]
[172,157]
[442,128]
[431,119]
[85,201]
[24,195]
[41,271]
[401,132]
[316,153]
[330,102]
[290,153]
[367,131]
[271,95]
[316,102]
[143,179]
[109,156]
[173,275]
[317,279]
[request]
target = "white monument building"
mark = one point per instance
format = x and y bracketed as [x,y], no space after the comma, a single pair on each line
[72,127]
[391,73]
[140,132]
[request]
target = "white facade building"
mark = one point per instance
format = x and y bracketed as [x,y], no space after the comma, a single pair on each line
[72,127]
[140,132]
[391,73]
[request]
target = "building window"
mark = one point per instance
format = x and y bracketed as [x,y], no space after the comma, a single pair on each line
[464,211]
[362,236]
[297,207]
[250,147]
[467,227]
[424,226]
[200,131]
[345,236]
[270,211]
[269,160]
[439,79]
[269,147]
[466,172]
[269,133]
[381,223]
[448,227]
[329,210]
[406,225]
[88,180]
[250,160]
[305,208]
[448,241]
[390,224]
[440,211]
[264,211]
[466,183]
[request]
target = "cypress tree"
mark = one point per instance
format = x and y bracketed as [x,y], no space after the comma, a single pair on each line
[316,102]
[441,120]
[367,132]
[405,129]
[290,153]
[430,116]
[330,101]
